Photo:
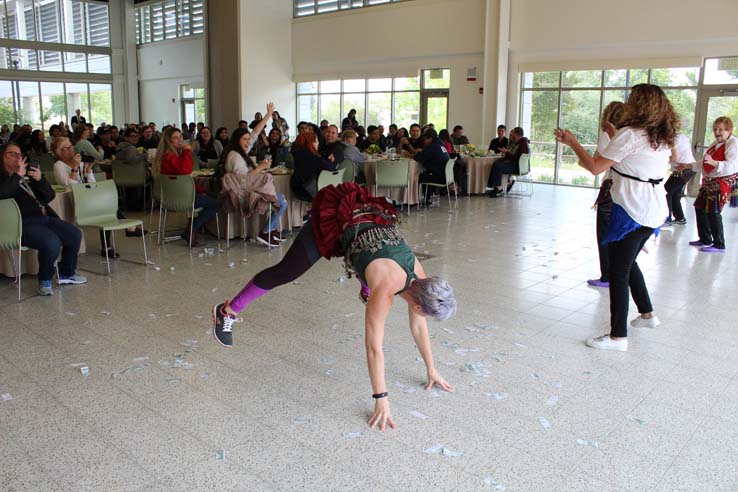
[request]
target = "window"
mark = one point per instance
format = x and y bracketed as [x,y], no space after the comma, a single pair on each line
[304,8]
[169,19]
[376,101]
[574,100]
[721,71]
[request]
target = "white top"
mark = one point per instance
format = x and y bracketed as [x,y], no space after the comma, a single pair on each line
[602,142]
[62,174]
[633,155]
[681,152]
[730,164]
[236,164]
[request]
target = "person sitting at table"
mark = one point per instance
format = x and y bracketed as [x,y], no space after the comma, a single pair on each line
[147,139]
[172,157]
[277,148]
[127,150]
[205,147]
[257,118]
[43,230]
[251,186]
[353,154]
[5,133]
[391,136]
[360,135]
[332,145]
[308,165]
[350,122]
[92,136]
[445,138]
[221,135]
[460,165]
[83,146]
[106,142]
[38,146]
[409,146]
[433,158]
[509,164]
[114,134]
[501,142]
[382,138]
[458,137]
[398,136]
[280,124]
[372,139]
[70,169]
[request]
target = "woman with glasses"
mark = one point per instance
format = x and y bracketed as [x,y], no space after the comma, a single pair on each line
[43,230]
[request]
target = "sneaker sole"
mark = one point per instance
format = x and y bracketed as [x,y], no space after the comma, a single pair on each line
[214,314]
[69,282]
[266,243]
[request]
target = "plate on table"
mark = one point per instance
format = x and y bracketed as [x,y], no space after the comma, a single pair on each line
[203,172]
[59,188]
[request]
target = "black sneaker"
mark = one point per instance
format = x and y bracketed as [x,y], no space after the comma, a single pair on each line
[680,221]
[510,185]
[223,325]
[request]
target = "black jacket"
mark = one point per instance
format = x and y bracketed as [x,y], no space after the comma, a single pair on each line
[10,188]
[434,157]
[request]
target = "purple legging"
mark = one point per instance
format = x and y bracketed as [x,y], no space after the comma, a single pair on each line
[302,255]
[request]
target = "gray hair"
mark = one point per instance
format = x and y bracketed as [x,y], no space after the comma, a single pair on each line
[434,296]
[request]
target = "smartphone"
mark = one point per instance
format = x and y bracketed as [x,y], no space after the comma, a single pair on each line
[32,165]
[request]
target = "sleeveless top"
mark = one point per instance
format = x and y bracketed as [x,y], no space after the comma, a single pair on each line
[367,241]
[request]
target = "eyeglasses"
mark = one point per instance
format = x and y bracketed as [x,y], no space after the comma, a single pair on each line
[67,147]
[14,155]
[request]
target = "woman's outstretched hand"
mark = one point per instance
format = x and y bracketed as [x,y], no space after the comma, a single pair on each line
[381,415]
[434,377]
[565,136]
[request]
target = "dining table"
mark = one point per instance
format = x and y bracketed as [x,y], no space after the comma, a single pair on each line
[479,168]
[63,205]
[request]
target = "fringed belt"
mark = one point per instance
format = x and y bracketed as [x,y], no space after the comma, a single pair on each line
[371,240]
[716,192]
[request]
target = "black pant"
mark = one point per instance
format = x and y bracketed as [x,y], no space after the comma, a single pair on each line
[503,166]
[603,222]
[674,189]
[624,273]
[301,256]
[710,227]
[461,176]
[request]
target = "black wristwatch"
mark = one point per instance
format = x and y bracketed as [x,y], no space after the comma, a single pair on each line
[377,396]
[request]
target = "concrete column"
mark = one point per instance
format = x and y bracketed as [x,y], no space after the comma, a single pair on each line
[496,53]
[223,55]
[124,62]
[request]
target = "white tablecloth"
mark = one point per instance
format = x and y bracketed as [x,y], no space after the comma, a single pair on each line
[479,169]
[399,195]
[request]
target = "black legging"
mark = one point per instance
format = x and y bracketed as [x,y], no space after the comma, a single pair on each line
[302,255]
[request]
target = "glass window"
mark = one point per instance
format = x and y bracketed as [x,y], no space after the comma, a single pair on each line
[75,62]
[330,86]
[77,98]
[538,80]
[675,77]
[637,76]
[581,78]
[406,108]
[356,85]
[197,18]
[29,109]
[184,17]
[53,103]
[580,112]
[98,63]
[436,78]
[311,7]
[719,106]
[170,19]
[157,22]
[73,22]
[684,102]
[98,27]
[355,101]
[145,24]
[7,109]
[101,101]
[721,70]
[50,60]
[304,7]
[307,108]
[376,85]
[615,78]
[23,59]
[330,108]
[47,22]
[327,6]
[379,109]
[407,83]
[539,118]
[307,87]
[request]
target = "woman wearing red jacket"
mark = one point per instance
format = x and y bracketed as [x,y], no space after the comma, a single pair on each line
[174,158]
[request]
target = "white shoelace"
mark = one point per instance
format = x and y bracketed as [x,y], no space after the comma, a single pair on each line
[228,324]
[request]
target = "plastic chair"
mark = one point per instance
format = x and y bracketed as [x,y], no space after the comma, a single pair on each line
[101,176]
[131,176]
[449,172]
[10,235]
[177,194]
[523,176]
[96,205]
[326,178]
[393,174]
[349,170]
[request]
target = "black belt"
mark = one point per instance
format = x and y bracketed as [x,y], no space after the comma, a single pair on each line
[653,182]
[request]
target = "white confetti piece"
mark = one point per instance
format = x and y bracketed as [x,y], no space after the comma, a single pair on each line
[171,268]
[244,260]
[140,359]
[418,415]
[491,482]
[106,313]
[301,420]
[157,268]
[297,283]
[341,279]
[497,396]
[635,419]
[544,422]
[552,401]
[213,290]
[69,313]
[219,455]
[587,442]
[232,264]
[7,397]
[435,393]
[450,332]
[352,435]
[520,345]
[441,449]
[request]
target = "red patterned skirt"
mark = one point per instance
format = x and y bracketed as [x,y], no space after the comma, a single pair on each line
[336,207]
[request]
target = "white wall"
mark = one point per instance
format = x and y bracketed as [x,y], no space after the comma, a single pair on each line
[396,40]
[586,34]
[162,67]
[266,58]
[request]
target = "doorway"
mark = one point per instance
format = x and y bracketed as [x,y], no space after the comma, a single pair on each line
[712,104]
[434,109]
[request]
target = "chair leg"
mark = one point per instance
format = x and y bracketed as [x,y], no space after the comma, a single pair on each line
[448,193]
[192,222]
[217,225]
[228,230]
[17,272]
[158,226]
[143,241]
[105,243]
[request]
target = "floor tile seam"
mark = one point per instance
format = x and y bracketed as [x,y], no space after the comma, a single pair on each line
[46,475]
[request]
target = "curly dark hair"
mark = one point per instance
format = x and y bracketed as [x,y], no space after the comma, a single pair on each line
[649,109]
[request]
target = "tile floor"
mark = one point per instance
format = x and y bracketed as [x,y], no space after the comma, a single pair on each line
[534,410]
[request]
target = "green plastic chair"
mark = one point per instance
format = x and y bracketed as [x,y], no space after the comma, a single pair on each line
[349,170]
[96,205]
[131,176]
[523,176]
[393,174]
[10,235]
[326,178]
[177,194]
[101,176]
[449,172]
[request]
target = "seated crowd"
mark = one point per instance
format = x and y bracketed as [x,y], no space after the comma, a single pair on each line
[240,158]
